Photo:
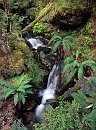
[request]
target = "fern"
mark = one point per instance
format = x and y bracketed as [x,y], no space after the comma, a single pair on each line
[71,75]
[56,45]
[55,38]
[89,117]
[72,65]
[80,72]
[80,98]
[19,91]
[66,42]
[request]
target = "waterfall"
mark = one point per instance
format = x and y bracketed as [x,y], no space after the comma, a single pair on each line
[49,92]
[33,43]
[53,78]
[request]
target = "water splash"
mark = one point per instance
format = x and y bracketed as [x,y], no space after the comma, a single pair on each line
[35,43]
[49,92]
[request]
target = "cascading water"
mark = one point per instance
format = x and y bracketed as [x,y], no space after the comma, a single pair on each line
[33,43]
[53,79]
[49,92]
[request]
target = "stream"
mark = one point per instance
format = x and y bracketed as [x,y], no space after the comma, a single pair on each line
[53,79]
[49,92]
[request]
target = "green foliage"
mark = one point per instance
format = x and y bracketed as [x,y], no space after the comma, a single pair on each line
[66,42]
[17,125]
[31,13]
[16,20]
[63,7]
[80,98]
[39,28]
[75,65]
[63,117]
[89,117]
[35,72]
[85,41]
[19,89]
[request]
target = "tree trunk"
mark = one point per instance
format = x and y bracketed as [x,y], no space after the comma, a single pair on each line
[43,12]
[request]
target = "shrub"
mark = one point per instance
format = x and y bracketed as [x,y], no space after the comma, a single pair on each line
[88,107]
[63,117]
[39,28]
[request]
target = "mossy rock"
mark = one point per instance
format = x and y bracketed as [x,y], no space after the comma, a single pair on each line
[12,64]
[17,43]
[86,43]
[66,13]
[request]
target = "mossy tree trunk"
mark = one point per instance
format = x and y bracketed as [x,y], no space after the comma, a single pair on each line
[43,12]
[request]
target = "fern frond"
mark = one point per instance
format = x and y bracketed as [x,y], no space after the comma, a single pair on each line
[68,66]
[55,38]
[5,83]
[71,75]
[56,45]
[80,72]
[88,62]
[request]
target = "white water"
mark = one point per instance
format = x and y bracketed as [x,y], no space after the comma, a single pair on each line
[35,42]
[49,92]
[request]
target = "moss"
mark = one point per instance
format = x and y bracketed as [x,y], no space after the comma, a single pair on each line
[86,41]
[63,7]
[18,43]
[36,73]
[12,64]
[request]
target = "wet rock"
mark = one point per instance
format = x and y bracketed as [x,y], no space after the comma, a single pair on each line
[53,102]
[25,22]
[46,60]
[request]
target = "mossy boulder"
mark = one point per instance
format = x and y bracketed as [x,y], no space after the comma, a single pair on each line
[12,64]
[68,14]
[65,13]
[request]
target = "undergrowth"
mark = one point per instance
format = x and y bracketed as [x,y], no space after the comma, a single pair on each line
[34,70]
[64,117]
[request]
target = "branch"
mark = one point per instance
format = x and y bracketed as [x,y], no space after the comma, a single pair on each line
[43,12]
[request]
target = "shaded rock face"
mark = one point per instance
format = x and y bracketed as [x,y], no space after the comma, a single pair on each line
[71,20]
